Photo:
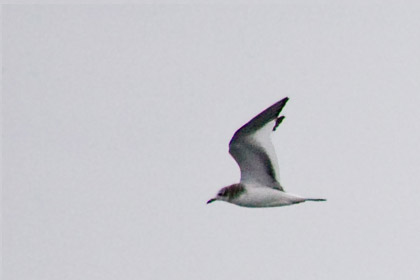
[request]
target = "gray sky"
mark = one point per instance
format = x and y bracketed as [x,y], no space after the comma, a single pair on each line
[116,122]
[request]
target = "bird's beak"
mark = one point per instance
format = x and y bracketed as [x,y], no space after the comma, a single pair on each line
[211,200]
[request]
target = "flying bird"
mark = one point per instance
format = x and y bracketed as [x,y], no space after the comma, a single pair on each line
[252,149]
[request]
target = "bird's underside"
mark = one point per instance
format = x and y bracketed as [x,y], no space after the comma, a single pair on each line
[252,149]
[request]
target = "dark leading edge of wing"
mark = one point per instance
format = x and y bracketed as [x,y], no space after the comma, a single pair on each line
[269,114]
[251,157]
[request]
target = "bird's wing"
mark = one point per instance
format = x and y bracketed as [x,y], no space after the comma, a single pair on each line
[253,150]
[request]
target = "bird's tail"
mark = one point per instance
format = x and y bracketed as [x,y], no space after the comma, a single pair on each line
[315,199]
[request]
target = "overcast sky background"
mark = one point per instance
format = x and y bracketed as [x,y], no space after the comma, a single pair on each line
[116,123]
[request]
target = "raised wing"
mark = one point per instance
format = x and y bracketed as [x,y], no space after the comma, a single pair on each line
[253,150]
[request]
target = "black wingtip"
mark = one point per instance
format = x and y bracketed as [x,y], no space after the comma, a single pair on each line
[278,122]
[269,114]
[280,104]
[284,100]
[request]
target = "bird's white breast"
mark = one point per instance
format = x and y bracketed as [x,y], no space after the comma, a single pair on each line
[258,196]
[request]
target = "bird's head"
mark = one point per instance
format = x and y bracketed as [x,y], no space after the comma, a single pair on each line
[221,195]
[228,193]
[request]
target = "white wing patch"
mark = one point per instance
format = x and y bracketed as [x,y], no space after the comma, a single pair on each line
[263,138]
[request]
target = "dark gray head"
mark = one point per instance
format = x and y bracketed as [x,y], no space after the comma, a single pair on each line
[228,193]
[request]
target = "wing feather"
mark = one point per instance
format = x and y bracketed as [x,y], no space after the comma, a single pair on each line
[252,149]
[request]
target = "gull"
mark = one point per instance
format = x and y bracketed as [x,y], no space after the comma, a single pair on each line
[252,149]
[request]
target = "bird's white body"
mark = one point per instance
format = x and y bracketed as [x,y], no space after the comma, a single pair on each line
[260,196]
